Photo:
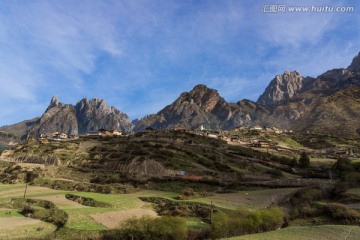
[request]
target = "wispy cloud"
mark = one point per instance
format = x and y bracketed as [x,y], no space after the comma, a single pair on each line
[140,55]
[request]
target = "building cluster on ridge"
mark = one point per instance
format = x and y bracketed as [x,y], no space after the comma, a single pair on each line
[58,136]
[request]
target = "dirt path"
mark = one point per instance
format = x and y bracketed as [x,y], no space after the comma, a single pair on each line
[114,219]
[12,222]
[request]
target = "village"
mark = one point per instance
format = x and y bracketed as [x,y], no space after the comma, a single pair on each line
[254,137]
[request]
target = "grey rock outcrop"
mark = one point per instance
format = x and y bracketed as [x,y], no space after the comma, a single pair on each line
[201,106]
[355,64]
[282,88]
[86,115]
[96,114]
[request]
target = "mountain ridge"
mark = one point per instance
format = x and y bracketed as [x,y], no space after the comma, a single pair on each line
[290,101]
[85,116]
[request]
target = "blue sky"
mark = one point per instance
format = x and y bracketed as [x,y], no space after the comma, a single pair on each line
[140,55]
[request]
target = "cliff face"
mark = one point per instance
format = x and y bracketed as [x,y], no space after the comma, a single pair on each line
[328,104]
[60,118]
[201,106]
[282,88]
[96,114]
[355,64]
[86,115]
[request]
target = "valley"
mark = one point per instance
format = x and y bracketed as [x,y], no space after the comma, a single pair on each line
[200,168]
[101,187]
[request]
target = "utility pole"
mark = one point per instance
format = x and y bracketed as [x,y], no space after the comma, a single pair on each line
[211,211]
[330,175]
[28,178]
[25,189]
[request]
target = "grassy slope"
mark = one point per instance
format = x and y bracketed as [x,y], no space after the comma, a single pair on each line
[107,158]
[80,221]
[78,214]
[249,199]
[325,232]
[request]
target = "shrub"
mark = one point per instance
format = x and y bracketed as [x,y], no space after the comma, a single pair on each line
[49,213]
[244,222]
[342,213]
[275,173]
[188,192]
[146,228]
[304,160]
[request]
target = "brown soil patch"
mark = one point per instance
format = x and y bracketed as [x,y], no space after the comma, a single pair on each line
[61,199]
[12,222]
[114,219]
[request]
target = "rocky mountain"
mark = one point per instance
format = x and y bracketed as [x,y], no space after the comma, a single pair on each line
[202,106]
[329,103]
[86,115]
[282,88]
[96,114]
[355,64]
[290,101]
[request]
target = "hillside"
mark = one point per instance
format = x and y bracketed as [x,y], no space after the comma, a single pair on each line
[85,116]
[201,106]
[328,104]
[91,186]
[154,157]
[336,114]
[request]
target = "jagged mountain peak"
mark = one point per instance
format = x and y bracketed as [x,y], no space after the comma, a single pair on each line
[54,102]
[282,88]
[201,106]
[201,96]
[95,102]
[201,88]
[87,115]
[355,64]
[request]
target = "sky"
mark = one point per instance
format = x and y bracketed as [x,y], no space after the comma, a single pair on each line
[140,55]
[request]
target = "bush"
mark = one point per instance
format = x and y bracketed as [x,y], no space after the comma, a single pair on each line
[275,173]
[245,222]
[188,192]
[86,201]
[304,160]
[49,213]
[146,228]
[342,213]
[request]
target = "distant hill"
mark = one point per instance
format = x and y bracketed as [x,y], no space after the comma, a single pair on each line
[86,115]
[327,104]
[201,106]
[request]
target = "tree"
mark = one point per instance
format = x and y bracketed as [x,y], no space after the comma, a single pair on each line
[29,177]
[304,160]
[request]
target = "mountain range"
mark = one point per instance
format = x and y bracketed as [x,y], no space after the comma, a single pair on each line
[329,103]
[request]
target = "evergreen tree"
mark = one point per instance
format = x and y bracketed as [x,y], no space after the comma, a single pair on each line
[304,160]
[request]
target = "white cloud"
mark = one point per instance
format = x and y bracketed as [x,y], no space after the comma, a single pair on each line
[118,49]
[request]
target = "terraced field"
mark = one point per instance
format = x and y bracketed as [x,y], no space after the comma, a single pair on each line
[119,208]
[326,232]
[249,199]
